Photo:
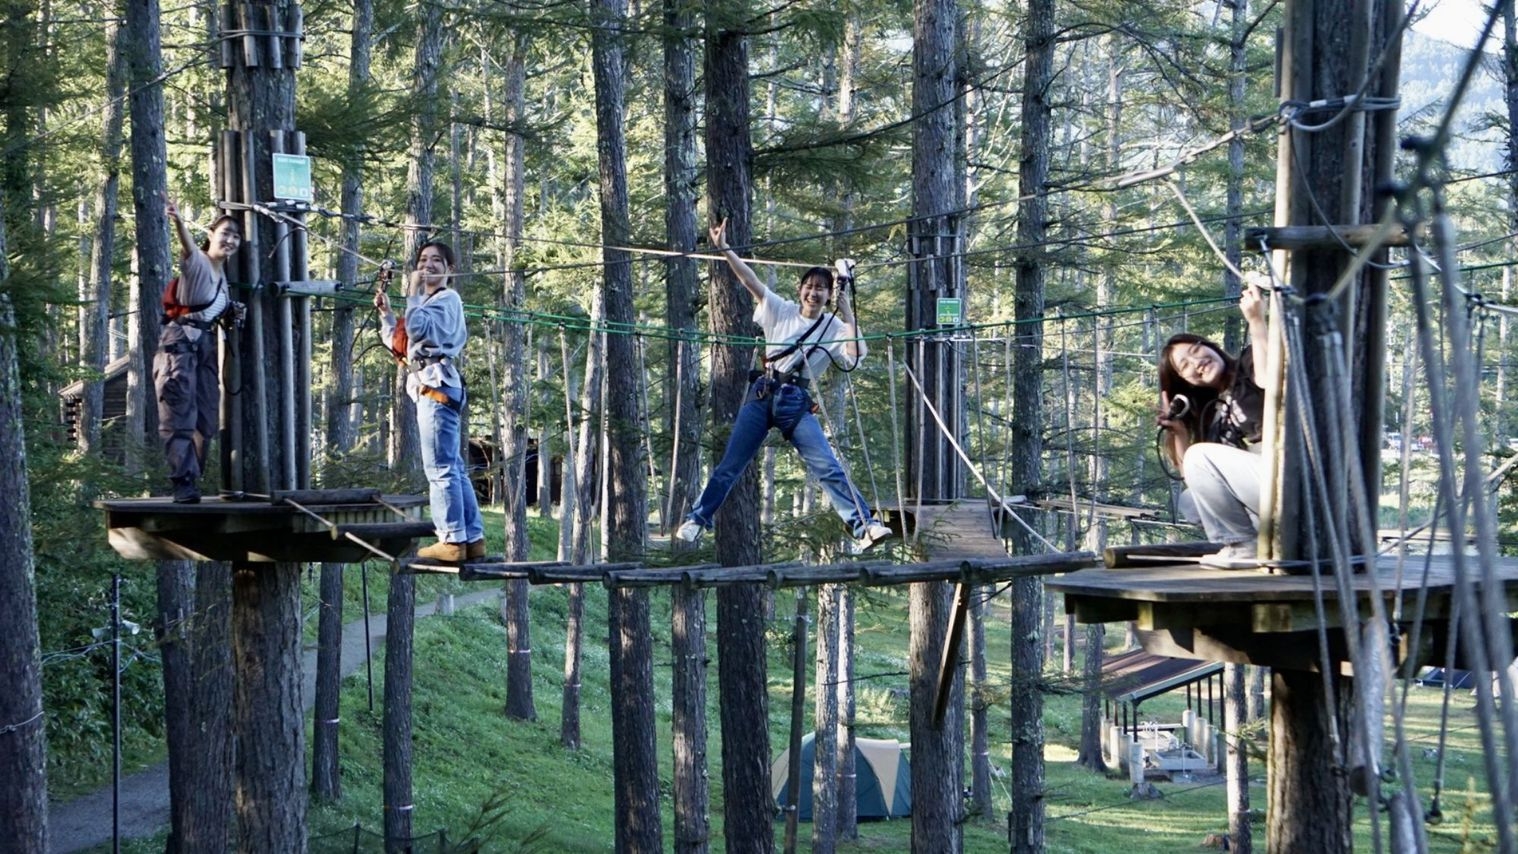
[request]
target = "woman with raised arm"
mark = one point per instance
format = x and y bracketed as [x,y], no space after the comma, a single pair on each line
[802,340]
[185,375]
[1212,408]
[427,341]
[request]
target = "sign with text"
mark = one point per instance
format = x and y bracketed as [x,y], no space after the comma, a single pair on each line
[950,311]
[292,177]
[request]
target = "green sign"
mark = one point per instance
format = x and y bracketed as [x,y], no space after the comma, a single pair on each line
[292,177]
[950,311]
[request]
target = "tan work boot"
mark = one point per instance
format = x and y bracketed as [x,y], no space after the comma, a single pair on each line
[475,550]
[444,552]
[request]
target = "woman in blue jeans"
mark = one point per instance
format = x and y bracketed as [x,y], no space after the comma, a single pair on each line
[1212,406]
[803,339]
[428,340]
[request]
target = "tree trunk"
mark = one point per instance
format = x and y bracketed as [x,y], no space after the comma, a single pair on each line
[681,178]
[419,227]
[1090,752]
[23,752]
[267,719]
[825,724]
[934,242]
[1027,819]
[208,825]
[399,640]
[1310,804]
[513,453]
[742,677]
[1235,716]
[980,709]
[848,789]
[692,794]
[144,52]
[631,646]
[96,303]
[176,604]
[692,804]
[574,633]
[937,752]
[326,771]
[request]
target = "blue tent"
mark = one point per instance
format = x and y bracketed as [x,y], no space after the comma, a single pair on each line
[883,778]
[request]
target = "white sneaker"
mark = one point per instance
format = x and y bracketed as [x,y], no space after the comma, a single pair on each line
[1233,556]
[874,535]
[689,532]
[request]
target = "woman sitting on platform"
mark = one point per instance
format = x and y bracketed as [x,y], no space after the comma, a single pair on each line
[1212,408]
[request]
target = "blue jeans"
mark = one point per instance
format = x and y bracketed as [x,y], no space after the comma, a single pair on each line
[455,512]
[789,408]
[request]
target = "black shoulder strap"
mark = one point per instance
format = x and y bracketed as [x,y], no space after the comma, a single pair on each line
[796,345]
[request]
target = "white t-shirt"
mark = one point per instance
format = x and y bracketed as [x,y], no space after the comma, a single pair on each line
[783,324]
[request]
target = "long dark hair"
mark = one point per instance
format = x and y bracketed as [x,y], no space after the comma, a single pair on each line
[1201,398]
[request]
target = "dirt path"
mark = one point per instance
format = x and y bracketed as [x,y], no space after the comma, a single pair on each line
[85,822]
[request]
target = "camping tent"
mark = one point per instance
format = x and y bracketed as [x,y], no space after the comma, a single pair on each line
[884,781]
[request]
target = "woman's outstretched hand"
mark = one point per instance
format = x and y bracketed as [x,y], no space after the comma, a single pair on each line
[718,234]
[1251,301]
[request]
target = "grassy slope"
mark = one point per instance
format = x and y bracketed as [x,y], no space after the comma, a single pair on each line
[510,786]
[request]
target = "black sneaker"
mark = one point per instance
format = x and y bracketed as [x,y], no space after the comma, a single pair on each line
[186,492]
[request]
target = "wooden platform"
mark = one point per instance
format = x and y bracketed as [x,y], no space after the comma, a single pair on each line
[257,530]
[1256,617]
[963,530]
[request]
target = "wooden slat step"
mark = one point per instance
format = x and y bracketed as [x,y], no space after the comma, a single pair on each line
[376,531]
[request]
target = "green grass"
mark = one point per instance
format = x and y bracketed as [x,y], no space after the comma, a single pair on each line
[510,786]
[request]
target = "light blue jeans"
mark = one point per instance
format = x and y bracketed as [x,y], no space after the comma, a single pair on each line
[789,408]
[1224,482]
[455,512]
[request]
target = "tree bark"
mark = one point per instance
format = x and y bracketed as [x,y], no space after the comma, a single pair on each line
[326,771]
[267,719]
[1090,752]
[825,724]
[1235,716]
[1027,819]
[937,752]
[692,805]
[848,788]
[935,243]
[399,641]
[144,51]
[95,307]
[1310,805]
[519,699]
[176,603]
[742,671]
[682,293]
[23,751]
[635,752]
[980,709]
[208,825]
